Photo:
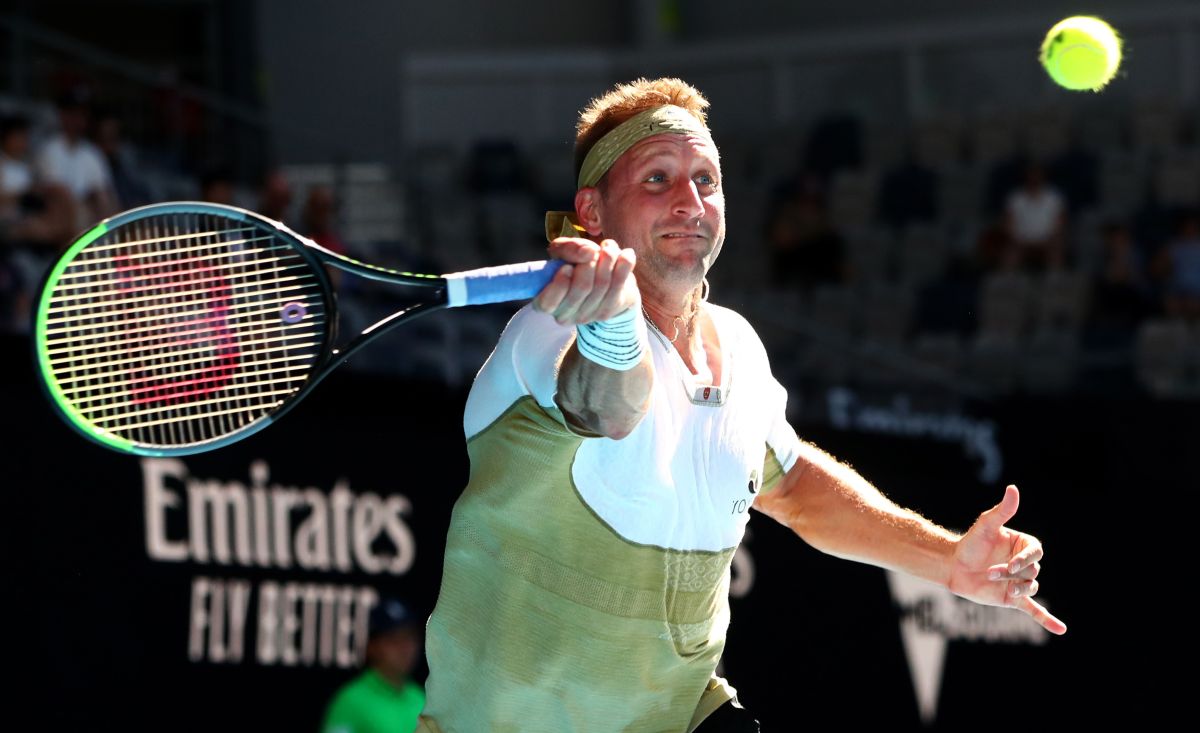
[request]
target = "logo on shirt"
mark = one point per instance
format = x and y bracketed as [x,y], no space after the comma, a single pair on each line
[708,397]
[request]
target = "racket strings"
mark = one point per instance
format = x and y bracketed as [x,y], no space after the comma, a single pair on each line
[205,254]
[134,333]
[152,313]
[207,259]
[182,328]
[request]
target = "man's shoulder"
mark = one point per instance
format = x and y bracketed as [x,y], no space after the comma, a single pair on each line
[354,687]
[345,704]
[56,149]
[53,147]
[739,336]
[728,317]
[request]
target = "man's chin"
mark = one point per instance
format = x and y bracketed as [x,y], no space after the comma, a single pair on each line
[689,274]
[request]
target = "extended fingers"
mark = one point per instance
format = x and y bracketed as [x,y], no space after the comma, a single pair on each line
[1038,612]
[1020,589]
[1000,572]
[1026,557]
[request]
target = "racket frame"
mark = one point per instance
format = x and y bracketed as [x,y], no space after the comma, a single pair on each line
[328,359]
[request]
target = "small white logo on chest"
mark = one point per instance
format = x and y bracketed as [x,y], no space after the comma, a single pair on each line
[708,396]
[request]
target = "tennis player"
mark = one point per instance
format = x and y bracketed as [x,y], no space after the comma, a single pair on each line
[618,435]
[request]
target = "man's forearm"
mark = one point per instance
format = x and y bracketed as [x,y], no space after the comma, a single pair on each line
[837,511]
[603,400]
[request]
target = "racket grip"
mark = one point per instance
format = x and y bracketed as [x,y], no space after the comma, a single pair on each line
[499,284]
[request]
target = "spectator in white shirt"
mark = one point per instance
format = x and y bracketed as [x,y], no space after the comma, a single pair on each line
[69,159]
[38,215]
[1036,215]
[36,220]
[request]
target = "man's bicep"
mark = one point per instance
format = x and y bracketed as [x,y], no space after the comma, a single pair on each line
[783,456]
[783,449]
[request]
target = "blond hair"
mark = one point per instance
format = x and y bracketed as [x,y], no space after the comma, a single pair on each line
[626,100]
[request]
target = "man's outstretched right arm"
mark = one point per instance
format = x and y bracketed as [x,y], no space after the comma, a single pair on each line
[604,378]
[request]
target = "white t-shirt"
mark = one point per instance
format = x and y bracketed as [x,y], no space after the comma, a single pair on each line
[79,167]
[585,582]
[1035,216]
[15,176]
[677,479]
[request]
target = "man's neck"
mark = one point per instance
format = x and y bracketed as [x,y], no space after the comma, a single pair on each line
[674,313]
[397,682]
[682,321]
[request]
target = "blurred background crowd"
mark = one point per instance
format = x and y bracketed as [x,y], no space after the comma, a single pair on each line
[1043,244]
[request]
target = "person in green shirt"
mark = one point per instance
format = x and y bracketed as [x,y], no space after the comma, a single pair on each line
[384,698]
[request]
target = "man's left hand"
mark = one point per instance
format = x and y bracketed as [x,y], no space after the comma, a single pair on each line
[998,566]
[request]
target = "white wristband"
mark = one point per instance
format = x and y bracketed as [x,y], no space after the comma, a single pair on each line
[617,343]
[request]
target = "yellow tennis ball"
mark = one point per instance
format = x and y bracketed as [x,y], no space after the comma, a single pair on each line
[1081,52]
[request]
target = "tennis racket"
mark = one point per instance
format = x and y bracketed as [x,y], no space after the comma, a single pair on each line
[179,328]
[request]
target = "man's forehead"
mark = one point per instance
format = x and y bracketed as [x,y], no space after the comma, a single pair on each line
[669,143]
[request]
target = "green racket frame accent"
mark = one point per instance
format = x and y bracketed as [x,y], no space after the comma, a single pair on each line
[65,408]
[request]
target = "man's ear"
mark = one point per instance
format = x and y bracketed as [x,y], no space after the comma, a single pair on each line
[588,209]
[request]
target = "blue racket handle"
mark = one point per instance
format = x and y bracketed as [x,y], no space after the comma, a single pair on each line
[499,284]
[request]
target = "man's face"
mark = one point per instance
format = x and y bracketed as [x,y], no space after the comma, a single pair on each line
[395,653]
[73,121]
[663,198]
[15,144]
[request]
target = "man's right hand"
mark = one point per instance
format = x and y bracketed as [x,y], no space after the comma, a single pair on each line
[595,283]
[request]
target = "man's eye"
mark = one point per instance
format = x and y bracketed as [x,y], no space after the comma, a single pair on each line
[656,178]
[706,180]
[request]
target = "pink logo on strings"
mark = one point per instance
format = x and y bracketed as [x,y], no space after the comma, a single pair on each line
[202,324]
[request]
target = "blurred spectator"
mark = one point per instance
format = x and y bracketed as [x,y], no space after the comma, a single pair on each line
[948,304]
[993,248]
[319,218]
[1004,177]
[1122,294]
[216,186]
[835,143]
[275,196]
[1153,226]
[70,160]
[805,250]
[35,221]
[16,175]
[1076,172]
[907,194]
[40,215]
[384,698]
[1036,216]
[1178,264]
[128,187]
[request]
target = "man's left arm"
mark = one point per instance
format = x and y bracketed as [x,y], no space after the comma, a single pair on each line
[834,509]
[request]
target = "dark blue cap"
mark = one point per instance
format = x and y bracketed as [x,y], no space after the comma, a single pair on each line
[388,615]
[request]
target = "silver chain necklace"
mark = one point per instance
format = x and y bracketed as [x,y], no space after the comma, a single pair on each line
[703,395]
[674,324]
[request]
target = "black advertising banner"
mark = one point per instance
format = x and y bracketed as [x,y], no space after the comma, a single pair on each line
[227,590]
[230,590]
